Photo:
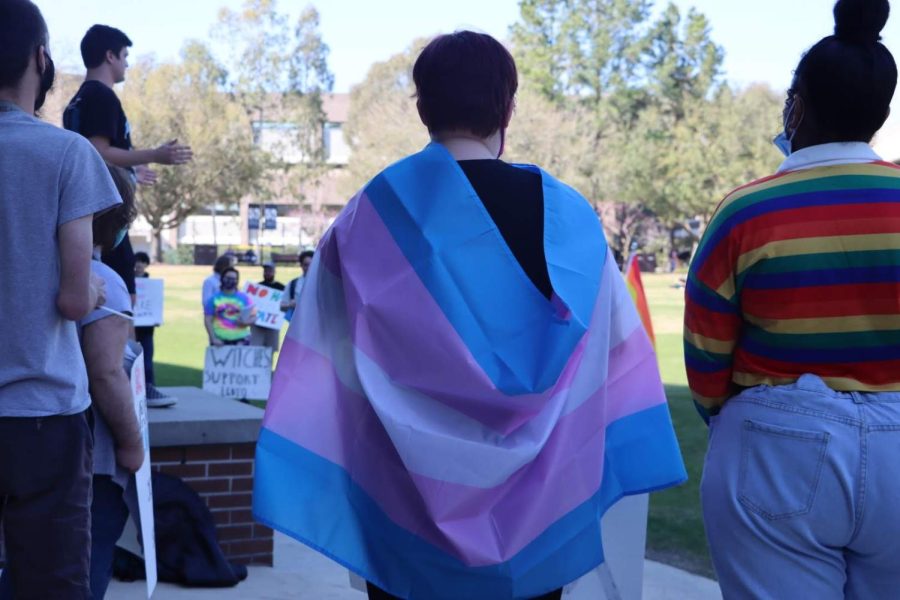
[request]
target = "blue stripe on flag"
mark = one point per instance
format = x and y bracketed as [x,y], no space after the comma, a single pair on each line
[316,502]
[449,239]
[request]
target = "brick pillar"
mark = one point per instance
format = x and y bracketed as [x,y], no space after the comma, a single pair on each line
[222,474]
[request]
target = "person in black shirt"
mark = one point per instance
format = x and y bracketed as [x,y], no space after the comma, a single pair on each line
[96,113]
[263,336]
[463,111]
[269,277]
[144,335]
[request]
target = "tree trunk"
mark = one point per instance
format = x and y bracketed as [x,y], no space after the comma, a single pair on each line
[157,241]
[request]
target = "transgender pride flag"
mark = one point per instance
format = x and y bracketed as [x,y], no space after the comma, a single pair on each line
[435,423]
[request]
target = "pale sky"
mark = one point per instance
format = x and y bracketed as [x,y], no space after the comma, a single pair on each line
[763,39]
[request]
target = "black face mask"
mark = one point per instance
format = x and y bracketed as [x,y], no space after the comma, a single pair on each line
[47,78]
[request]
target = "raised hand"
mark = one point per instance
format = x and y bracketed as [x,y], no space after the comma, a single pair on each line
[173,153]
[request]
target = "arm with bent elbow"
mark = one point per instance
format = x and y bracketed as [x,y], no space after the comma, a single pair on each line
[79,291]
[103,346]
[170,153]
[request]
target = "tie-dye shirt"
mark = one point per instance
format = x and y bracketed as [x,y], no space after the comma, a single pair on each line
[226,310]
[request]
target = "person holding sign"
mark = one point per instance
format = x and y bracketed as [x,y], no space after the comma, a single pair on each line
[229,313]
[267,336]
[144,335]
[118,444]
[213,283]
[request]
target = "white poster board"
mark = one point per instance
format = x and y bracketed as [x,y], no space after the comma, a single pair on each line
[267,302]
[148,303]
[238,371]
[143,484]
[621,576]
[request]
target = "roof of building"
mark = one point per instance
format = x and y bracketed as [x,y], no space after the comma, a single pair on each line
[337,107]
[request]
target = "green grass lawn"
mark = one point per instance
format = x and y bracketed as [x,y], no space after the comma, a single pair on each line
[675,530]
[675,533]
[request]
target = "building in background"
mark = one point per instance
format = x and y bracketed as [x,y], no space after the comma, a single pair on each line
[270,221]
[294,221]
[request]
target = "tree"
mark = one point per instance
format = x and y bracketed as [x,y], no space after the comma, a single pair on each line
[552,136]
[718,144]
[383,125]
[632,77]
[279,73]
[185,100]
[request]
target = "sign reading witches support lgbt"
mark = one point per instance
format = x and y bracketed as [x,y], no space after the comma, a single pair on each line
[268,305]
[238,371]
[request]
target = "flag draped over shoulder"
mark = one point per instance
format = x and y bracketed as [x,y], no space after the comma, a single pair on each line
[636,289]
[439,426]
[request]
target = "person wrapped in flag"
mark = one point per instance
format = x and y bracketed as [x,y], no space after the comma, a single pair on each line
[792,341]
[466,386]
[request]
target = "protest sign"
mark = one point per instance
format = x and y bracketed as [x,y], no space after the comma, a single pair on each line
[267,302]
[238,371]
[148,304]
[142,480]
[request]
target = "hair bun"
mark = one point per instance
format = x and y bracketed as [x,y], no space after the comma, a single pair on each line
[860,20]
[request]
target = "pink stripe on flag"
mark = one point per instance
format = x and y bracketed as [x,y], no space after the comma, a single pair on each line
[633,380]
[480,526]
[437,364]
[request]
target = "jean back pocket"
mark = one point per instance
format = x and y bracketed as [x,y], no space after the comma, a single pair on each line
[780,469]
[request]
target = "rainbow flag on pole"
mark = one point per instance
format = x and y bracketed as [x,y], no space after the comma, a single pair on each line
[436,424]
[636,289]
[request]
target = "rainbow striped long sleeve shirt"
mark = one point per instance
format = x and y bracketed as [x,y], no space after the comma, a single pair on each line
[798,273]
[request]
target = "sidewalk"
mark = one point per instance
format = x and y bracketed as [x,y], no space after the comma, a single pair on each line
[302,573]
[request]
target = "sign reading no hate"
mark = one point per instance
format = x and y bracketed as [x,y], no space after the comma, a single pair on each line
[267,302]
[238,371]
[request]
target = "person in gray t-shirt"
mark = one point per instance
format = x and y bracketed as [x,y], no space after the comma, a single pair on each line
[51,183]
[118,444]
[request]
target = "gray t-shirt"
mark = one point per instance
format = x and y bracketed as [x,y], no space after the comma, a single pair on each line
[117,298]
[48,177]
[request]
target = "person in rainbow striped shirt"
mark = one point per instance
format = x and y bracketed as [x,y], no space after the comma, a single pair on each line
[228,314]
[792,341]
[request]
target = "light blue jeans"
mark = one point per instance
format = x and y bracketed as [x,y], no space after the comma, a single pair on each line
[801,493]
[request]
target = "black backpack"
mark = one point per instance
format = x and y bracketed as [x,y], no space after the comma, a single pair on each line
[187,548]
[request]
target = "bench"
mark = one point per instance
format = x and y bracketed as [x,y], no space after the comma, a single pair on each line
[284,258]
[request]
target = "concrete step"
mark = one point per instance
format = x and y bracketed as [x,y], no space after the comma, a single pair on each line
[300,572]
